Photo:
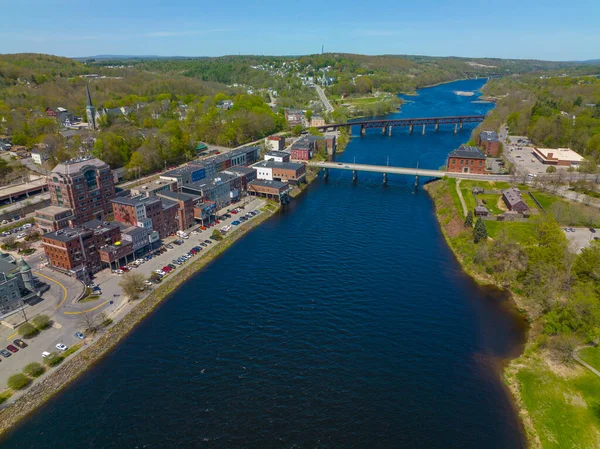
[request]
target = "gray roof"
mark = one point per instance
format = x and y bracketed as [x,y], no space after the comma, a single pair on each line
[267,183]
[184,169]
[6,265]
[101,225]
[178,196]
[239,170]
[467,152]
[66,234]
[284,165]
[133,200]
[278,153]
[75,166]
[133,230]
[167,203]
[512,195]
[488,136]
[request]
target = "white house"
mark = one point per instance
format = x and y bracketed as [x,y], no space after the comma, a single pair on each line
[39,156]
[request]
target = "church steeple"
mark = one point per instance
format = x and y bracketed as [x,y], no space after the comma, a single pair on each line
[90,111]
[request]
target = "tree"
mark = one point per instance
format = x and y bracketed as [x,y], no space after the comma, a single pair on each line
[18,381]
[34,369]
[297,130]
[132,284]
[308,114]
[53,359]
[154,277]
[27,330]
[551,169]
[10,241]
[480,231]
[88,322]
[41,322]
[469,220]
[217,235]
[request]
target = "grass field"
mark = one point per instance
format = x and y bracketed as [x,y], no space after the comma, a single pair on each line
[591,355]
[565,409]
[523,233]
[491,202]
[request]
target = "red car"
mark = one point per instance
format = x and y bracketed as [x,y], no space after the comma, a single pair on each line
[12,348]
[166,269]
[234,212]
[125,269]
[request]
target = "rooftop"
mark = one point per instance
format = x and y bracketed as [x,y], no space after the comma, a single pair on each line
[67,234]
[512,195]
[75,166]
[562,154]
[283,165]
[266,183]
[278,154]
[488,136]
[184,169]
[167,203]
[100,225]
[53,210]
[134,200]
[178,196]
[467,152]
[238,169]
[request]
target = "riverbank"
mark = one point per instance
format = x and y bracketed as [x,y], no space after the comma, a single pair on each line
[72,368]
[555,400]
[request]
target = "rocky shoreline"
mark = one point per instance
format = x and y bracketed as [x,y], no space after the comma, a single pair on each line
[62,376]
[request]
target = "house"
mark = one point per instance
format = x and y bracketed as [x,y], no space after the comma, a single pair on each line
[294,117]
[40,155]
[275,143]
[481,211]
[280,171]
[226,105]
[317,120]
[466,159]
[488,140]
[277,156]
[303,148]
[514,201]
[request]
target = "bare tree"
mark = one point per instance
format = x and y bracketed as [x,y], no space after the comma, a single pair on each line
[132,284]
[89,322]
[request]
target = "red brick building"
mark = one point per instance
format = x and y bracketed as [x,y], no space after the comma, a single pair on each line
[83,185]
[185,207]
[488,141]
[159,214]
[466,159]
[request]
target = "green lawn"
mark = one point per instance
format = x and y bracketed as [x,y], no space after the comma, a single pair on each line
[591,355]
[545,199]
[491,202]
[565,410]
[524,233]
[468,196]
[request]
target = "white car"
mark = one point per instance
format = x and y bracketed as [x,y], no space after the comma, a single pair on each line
[21,235]
[45,354]
[62,346]
[27,226]
[140,261]
[194,232]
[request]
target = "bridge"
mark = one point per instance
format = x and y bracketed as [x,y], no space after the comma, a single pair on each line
[387,125]
[385,169]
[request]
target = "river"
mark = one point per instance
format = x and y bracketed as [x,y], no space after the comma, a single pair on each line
[344,321]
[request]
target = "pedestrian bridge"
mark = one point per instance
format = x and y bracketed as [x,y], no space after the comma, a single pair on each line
[388,169]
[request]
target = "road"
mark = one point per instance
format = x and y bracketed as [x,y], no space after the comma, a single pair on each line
[405,171]
[323,98]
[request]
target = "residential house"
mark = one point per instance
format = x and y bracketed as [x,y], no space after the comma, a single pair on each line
[514,201]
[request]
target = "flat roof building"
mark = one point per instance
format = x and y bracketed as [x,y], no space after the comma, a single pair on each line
[564,157]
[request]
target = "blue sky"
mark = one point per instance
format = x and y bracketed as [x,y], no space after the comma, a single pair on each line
[540,29]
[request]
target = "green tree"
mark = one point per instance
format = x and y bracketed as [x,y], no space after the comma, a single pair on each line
[551,169]
[469,220]
[34,369]
[297,130]
[18,381]
[308,114]
[53,359]
[216,234]
[27,330]
[41,322]
[132,284]
[480,231]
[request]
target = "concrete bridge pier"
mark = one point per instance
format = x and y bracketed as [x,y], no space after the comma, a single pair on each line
[461,123]
[363,130]
[423,129]
[385,179]
[384,130]
[437,127]
[390,130]
[354,176]
[410,129]
[416,182]
[455,128]
[325,173]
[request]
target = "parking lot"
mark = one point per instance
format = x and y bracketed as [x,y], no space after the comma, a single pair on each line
[580,238]
[521,154]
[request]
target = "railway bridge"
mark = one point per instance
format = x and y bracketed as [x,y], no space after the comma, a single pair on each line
[387,125]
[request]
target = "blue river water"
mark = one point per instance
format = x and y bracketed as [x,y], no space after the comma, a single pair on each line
[343,321]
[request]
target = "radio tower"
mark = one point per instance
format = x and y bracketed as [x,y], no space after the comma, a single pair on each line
[322,48]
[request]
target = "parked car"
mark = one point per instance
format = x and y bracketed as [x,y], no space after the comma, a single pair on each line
[62,347]
[12,348]
[5,353]
[207,241]
[592,230]
[79,335]
[171,266]
[169,246]
[45,354]
[21,235]
[20,343]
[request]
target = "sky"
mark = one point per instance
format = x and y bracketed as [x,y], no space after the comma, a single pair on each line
[524,29]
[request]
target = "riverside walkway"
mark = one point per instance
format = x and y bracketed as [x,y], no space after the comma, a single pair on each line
[388,169]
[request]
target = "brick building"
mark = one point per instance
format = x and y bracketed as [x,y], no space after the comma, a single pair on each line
[270,189]
[488,140]
[83,185]
[185,207]
[151,213]
[280,171]
[466,159]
